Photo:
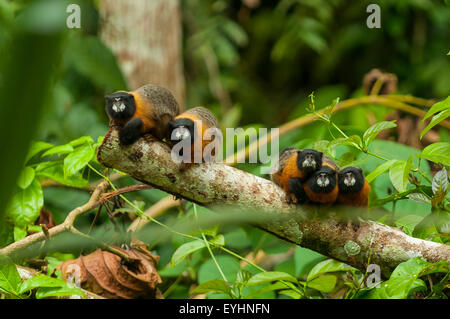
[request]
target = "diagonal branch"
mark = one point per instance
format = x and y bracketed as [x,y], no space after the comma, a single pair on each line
[148,160]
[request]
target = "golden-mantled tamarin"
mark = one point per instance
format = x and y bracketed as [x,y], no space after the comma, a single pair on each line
[201,127]
[353,187]
[294,166]
[148,109]
[322,186]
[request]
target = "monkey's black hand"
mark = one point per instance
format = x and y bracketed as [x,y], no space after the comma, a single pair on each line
[130,132]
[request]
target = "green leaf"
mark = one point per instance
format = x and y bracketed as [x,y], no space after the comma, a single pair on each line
[54,170]
[41,281]
[353,140]
[435,121]
[437,107]
[35,148]
[440,181]
[408,223]
[186,249]
[78,159]
[212,286]
[229,265]
[324,283]
[81,140]
[219,240]
[437,152]
[305,260]
[419,198]
[19,233]
[374,130]
[6,232]
[326,266]
[9,276]
[26,177]
[269,276]
[380,170]
[275,286]
[26,205]
[290,293]
[60,150]
[398,173]
[46,292]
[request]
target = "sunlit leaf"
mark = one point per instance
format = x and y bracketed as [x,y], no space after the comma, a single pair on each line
[437,107]
[26,177]
[26,204]
[78,159]
[437,152]
[324,283]
[438,118]
[9,276]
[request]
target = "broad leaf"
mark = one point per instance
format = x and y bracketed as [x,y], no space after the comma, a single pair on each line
[26,205]
[54,170]
[437,152]
[9,276]
[380,170]
[419,198]
[326,266]
[212,286]
[26,177]
[438,118]
[186,249]
[60,150]
[35,148]
[47,292]
[374,130]
[324,283]
[437,107]
[398,174]
[269,276]
[440,181]
[78,159]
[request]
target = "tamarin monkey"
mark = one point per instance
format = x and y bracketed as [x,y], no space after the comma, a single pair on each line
[148,109]
[194,124]
[322,186]
[294,166]
[353,187]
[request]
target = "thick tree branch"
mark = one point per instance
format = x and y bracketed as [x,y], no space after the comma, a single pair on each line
[149,161]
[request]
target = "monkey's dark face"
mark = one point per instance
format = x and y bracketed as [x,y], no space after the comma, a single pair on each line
[323,181]
[309,160]
[181,129]
[350,180]
[120,105]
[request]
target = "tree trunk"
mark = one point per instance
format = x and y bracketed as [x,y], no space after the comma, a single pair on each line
[146,38]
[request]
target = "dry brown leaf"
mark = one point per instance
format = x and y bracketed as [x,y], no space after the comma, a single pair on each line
[105,274]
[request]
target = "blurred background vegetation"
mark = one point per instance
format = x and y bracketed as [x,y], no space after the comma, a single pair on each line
[253,63]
